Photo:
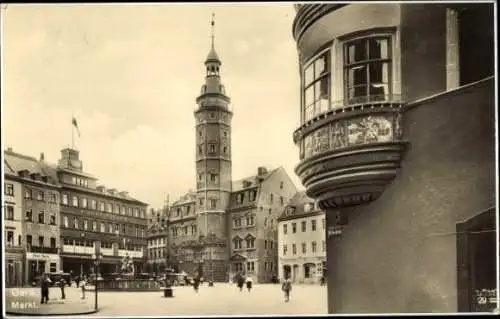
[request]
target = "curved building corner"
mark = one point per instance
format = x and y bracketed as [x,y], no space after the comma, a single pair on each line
[397,144]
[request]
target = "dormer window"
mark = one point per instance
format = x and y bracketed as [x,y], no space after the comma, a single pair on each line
[253,195]
[307,207]
[239,198]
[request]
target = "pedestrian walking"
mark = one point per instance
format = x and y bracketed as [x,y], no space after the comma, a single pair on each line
[287,287]
[196,283]
[249,282]
[241,282]
[45,284]
[62,285]
[83,282]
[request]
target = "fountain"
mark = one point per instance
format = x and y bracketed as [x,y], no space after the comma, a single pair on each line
[127,280]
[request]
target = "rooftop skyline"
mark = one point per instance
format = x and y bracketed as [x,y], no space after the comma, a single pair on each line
[130,75]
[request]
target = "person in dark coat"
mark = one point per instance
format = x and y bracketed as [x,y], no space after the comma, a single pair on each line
[45,284]
[62,285]
[287,287]
[241,282]
[249,283]
[196,283]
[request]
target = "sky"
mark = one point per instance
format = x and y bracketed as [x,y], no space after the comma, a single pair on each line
[130,75]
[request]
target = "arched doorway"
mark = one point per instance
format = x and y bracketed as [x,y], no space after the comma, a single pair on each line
[295,273]
[309,271]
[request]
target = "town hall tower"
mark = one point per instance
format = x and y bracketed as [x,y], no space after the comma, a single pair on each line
[213,163]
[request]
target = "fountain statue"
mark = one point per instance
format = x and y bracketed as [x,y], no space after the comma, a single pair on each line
[128,280]
[127,267]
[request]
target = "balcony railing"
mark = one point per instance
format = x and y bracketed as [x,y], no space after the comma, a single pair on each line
[12,245]
[45,250]
[78,249]
[107,251]
[357,103]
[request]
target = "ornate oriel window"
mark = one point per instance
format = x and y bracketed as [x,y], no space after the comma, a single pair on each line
[317,80]
[367,69]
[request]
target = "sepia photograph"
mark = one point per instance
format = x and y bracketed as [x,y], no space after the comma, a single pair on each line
[249,158]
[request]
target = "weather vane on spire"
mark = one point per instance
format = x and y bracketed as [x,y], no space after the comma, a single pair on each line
[213,26]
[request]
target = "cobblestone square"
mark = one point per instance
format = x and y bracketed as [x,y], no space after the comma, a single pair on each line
[223,299]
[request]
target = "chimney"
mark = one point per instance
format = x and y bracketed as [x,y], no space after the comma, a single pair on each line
[101,188]
[42,157]
[261,170]
[123,193]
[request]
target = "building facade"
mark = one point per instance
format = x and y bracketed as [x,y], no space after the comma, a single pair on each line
[397,146]
[157,239]
[67,218]
[13,228]
[202,224]
[302,241]
[96,220]
[40,207]
[256,203]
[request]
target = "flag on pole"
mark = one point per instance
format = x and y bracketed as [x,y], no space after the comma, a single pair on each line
[75,124]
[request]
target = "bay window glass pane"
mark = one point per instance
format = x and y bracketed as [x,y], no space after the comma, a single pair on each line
[379,48]
[309,96]
[357,75]
[322,105]
[356,52]
[357,91]
[319,66]
[309,74]
[323,88]
[309,112]
[379,90]
[379,72]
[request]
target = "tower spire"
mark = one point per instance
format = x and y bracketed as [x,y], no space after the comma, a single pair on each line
[213,31]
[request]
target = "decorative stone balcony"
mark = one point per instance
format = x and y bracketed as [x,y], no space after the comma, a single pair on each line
[350,152]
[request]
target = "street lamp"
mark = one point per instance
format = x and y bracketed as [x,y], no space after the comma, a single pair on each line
[97,260]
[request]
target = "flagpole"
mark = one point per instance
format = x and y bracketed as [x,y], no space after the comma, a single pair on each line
[72,132]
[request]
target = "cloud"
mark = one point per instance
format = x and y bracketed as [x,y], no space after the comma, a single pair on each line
[241,47]
[131,74]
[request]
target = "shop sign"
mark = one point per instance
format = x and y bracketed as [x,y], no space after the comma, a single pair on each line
[40,256]
[334,231]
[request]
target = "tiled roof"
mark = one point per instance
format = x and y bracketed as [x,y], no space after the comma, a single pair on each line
[19,162]
[187,198]
[7,169]
[238,185]
[15,162]
[298,201]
